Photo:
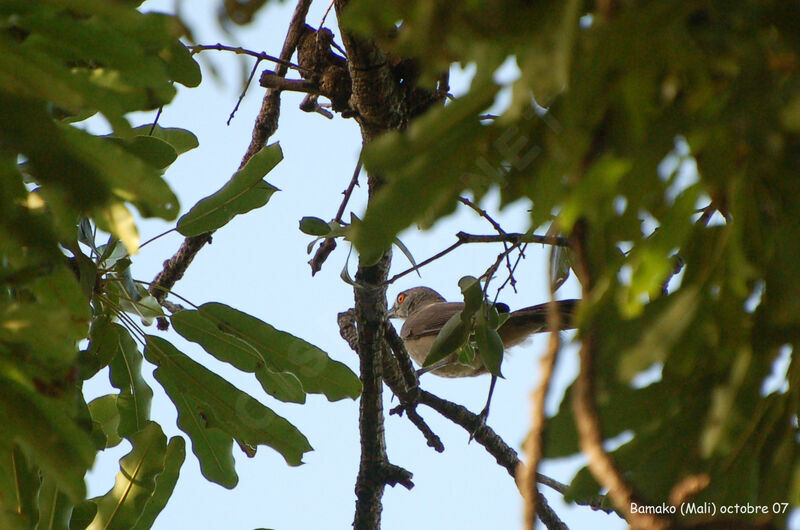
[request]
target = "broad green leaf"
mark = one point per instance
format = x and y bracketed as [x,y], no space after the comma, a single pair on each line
[473,296]
[546,59]
[181,140]
[19,487]
[121,507]
[245,191]
[660,335]
[202,328]
[490,347]
[55,508]
[181,66]
[103,347]
[424,168]
[117,220]
[214,413]
[453,334]
[133,400]
[314,226]
[82,515]
[105,416]
[318,373]
[65,454]
[131,179]
[165,483]
[22,323]
[152,150]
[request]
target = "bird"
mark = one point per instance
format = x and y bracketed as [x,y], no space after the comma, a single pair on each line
[425,312]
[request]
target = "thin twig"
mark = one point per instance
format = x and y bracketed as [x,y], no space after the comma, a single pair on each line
[464,238]
[162,234]
[348,192]
[513,238]
[423,263]
[259,56]
[490,272]
[244,91]
[155,121]
[322,22]
[535,440]
[327,246]
[483,213]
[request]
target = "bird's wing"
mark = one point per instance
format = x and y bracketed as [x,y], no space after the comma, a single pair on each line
[429,320]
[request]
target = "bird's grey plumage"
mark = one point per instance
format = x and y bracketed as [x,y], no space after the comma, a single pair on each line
[426,311]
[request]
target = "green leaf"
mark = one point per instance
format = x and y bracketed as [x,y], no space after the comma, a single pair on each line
[181,140]
[318,373]
[560,265]
[473,296]
[152,150]
[65,454]
[59,307]
[55,508]
[105,416]
[660,335]
[121,507]
[453,334]
[490,347]
[424,167]
[181,66]
[202,328]
[133,401]
[129,177]
[245,191]
[407,253]
[314,226]
[165,483]
[82,515]
[214,413]
[545,60]
[19,488]
[103,347]
[118,221]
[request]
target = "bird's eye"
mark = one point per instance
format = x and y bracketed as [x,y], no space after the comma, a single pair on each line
[401,298]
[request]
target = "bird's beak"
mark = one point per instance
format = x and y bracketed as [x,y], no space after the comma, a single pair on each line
[392,312]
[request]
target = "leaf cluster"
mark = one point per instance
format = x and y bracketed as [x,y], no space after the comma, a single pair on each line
[69,305]
[670,130]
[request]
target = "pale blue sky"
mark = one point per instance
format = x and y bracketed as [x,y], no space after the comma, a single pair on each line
[258,263]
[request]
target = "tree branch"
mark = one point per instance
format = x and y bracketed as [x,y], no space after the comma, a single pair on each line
[601,464]
[327,246]
[535,441]
[265,126]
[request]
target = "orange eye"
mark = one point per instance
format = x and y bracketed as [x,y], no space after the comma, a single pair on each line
[401,297]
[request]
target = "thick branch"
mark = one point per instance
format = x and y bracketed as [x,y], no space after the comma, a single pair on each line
[375,95]
[267,120]
[370,313]
[273,81]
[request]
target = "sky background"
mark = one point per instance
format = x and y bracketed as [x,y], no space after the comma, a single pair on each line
[258,264]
